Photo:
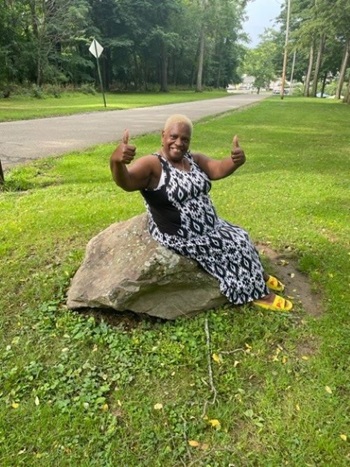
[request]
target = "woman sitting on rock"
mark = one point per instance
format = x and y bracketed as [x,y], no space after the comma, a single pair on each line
[175,184]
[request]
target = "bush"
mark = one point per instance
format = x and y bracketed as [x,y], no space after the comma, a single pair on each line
[331,88]
[6,93]
[87,89]
[298,90]
[10,89]
[37,92]
[53,90]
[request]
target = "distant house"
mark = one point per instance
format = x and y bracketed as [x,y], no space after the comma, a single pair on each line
[275,86]
[246,84]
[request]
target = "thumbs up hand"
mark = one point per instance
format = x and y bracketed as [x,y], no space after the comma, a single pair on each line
[124,152]
[237,153]
[126,136]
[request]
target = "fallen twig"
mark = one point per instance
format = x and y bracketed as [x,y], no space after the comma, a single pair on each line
[186,440]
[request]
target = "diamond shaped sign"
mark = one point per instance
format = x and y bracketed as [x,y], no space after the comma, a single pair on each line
[95,48]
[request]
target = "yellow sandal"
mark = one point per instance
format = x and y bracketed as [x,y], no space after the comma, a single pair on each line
[278,304]
[274,284]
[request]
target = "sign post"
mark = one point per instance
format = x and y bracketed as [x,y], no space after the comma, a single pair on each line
[96,50]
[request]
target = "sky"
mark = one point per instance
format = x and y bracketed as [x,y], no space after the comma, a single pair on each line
[261,14]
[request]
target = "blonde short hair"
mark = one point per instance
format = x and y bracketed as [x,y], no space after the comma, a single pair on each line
[178,118]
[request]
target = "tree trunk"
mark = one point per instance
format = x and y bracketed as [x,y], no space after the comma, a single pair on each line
[107,68]
[218,76]
[309,71]
[138,71]
[164,69]
[318,64]
[347,97]
[324,83]
[33,13]
[38,45]
[343,69]
[38,70]
[199,87]
[221,53]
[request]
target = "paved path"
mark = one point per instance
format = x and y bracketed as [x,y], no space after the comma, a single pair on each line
[26,140]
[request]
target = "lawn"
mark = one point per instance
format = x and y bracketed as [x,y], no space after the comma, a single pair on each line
[25,107]
[102,390]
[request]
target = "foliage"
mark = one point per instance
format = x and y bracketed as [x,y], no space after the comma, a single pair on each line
[319,37]
[106,389]
[146,46]
[317,51]
[259,62]
[38,38]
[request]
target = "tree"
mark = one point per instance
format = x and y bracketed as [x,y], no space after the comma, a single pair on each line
[341,18]
[343,68]
[347,97]
[163,38]
[259,62]
[148,44]
[226,53]
[320,34]
[216,25]
[55,27]
[17,51]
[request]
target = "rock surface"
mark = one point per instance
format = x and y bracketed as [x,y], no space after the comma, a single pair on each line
[125,269]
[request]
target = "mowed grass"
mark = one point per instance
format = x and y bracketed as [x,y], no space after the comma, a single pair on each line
[24,107]
[88,390]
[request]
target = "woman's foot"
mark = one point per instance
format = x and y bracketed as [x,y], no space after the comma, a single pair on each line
[273,302]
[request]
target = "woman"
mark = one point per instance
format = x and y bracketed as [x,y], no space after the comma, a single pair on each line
[175,184]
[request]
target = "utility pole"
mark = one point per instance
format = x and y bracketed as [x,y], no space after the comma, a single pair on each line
[292,73]
[285,51]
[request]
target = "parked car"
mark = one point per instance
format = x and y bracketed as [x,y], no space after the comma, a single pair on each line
[278,91]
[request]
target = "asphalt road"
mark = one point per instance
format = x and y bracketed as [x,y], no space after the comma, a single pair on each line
[26,140]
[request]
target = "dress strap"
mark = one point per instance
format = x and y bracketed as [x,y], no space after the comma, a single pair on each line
[157,155]
[165,171]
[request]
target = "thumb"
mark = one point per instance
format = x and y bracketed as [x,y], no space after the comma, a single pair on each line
[235,142]
[126,136]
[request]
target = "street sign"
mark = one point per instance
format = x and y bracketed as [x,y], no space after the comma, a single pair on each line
[95,48]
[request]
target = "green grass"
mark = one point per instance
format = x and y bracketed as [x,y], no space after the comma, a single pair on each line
[80,390]
[21,107]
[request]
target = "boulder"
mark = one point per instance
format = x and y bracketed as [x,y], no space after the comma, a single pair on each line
[125,269]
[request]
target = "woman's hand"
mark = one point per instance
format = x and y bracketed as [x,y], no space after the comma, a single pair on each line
[237,153]
[124,152]
[217,169]
[144,171]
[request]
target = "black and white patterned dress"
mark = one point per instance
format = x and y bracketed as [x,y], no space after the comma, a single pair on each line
[182,217]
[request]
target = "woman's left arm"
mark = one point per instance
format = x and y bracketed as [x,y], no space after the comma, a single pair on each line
[216,169]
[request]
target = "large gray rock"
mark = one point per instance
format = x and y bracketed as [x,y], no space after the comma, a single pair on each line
[125,269]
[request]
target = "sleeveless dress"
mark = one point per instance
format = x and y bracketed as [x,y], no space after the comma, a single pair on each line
[182,218]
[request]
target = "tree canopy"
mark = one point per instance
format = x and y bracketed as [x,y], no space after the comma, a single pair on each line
[148,44]
[318,47]
[320,39]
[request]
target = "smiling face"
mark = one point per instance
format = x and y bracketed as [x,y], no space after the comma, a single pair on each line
[176,140]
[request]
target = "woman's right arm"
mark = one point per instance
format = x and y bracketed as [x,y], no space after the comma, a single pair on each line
[140,173]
